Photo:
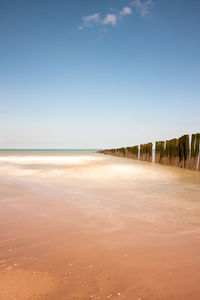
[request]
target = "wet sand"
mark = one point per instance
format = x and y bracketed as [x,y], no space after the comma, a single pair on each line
[90,226]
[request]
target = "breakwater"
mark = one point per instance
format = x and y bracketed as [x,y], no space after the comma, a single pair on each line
[183,152]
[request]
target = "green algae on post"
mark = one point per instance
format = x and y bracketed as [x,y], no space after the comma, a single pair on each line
[176,152]
[132,152]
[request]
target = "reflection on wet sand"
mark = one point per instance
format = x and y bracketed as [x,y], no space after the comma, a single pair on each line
[89,226]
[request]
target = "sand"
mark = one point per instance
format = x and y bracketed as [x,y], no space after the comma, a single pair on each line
[98,227]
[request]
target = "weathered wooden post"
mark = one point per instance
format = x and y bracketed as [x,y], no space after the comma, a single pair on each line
[174,152]
[187,151]
[194,158]
[181,152]
[160,150]
[184,151]
[112,152]
[132,152]
[121,152]
[141,152]
[198,151]
[117,153]
[146,152]
[157,153]
[166,158]
[150,147]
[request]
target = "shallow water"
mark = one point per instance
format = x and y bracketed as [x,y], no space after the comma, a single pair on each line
[80,225]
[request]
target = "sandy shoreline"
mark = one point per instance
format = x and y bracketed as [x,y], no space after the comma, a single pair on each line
[105,229]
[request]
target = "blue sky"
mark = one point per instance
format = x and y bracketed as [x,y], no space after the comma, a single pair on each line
[96,74]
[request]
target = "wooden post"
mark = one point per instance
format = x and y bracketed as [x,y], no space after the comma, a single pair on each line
[132,152]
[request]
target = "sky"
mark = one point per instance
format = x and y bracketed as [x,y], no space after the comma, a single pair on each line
[98,73]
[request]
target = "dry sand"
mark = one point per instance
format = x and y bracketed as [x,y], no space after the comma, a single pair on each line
[98,227]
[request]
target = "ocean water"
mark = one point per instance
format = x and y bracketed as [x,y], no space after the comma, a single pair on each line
[149,190]
[44,152]
[76,217]
[13,160]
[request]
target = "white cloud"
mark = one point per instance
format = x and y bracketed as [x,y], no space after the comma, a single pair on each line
[88,21]
[143,7]
[126,11]
[110,19]
[92,18]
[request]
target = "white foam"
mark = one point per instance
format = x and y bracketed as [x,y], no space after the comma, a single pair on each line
[49,160]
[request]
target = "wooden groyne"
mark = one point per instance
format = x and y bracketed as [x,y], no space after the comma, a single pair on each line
[132,152]
[183,152]
[146,152]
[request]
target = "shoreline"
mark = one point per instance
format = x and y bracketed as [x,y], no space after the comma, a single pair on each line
[107,228]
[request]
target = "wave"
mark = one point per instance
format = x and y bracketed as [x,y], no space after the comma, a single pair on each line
[49,160]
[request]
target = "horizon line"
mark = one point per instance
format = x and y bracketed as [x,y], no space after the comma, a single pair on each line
[50,149]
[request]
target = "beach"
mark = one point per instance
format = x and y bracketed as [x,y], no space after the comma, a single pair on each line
[77,225]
